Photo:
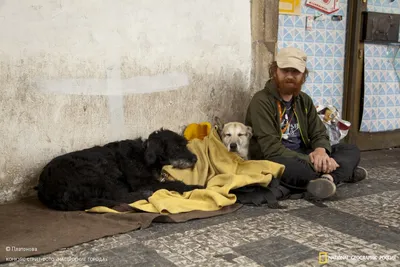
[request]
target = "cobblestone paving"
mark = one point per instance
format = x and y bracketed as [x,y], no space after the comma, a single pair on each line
[360,227]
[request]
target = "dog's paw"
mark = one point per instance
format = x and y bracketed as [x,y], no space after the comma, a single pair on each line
[147,193]
[188,188]
[193,187]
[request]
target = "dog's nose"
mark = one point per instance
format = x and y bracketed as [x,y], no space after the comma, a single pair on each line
[194,159]
[233,146]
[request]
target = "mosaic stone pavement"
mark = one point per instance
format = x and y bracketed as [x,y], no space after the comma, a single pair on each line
[360,227]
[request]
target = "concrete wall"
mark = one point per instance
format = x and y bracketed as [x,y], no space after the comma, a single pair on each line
[75,73]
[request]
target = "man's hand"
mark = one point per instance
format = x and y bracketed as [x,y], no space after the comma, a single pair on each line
[322,162]
[333,164]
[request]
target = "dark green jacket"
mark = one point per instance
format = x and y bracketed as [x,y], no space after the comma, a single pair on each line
[262,116]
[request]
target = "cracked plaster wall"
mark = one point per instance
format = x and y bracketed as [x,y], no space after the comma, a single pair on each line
[74,74]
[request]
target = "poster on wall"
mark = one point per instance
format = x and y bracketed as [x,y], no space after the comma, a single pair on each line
[326,6]
[290,7]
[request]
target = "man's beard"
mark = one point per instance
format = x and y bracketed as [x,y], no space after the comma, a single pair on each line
[289,86]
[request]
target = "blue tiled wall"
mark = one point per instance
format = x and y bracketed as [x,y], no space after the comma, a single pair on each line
[325,47]
[381,79]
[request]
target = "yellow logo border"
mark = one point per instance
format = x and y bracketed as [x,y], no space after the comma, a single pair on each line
[323,257]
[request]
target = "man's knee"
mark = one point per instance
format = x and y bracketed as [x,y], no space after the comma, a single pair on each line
[284,160]
[349,149]
[297,172]
[344,146]
[291,163]
[348,157]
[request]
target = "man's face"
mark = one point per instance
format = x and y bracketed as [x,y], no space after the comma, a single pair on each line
[289,80]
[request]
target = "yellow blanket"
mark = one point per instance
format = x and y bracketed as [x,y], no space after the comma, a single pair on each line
[217,168]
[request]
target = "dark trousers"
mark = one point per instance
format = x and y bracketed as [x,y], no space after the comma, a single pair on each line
[298,172]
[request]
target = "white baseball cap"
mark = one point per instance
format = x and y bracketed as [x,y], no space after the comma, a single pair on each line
[292,57]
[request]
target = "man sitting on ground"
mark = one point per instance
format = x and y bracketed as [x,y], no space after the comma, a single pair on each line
[288,131]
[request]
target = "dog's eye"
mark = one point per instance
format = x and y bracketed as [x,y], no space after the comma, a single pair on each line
[240,134]
[228,134]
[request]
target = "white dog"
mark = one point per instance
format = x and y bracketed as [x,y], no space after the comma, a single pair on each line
[235,136]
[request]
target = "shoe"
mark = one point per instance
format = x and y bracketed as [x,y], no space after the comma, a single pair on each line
[321,188]
[359,174]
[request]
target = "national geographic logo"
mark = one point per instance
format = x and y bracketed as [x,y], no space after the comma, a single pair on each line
[323,257]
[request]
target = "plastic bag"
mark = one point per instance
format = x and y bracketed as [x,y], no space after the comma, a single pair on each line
[337,128]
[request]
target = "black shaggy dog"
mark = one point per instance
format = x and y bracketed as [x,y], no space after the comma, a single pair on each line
[116,173]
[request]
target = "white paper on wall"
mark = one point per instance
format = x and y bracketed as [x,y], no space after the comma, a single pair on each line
[326,6]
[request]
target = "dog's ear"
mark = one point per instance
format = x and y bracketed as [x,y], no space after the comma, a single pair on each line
[218,123]
[249,131]
[153,148]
